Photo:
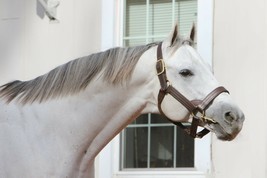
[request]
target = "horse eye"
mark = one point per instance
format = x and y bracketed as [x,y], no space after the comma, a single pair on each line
[186,73]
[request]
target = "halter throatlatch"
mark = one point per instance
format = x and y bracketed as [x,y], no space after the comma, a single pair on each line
[196,108]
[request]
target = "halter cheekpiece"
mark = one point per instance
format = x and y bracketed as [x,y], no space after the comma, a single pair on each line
[196,108]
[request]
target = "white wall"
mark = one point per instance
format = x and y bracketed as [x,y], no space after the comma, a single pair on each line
[240,64]
[30,45]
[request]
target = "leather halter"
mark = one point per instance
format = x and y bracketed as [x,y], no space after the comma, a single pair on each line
[196,108]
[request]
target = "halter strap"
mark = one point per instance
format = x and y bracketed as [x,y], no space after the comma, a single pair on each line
[194,107]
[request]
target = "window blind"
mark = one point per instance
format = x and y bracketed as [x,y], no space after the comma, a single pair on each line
[151,20]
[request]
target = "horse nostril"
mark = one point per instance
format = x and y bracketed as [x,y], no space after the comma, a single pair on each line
[229,117]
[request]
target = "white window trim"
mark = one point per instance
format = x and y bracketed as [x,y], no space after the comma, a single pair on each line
[107,163]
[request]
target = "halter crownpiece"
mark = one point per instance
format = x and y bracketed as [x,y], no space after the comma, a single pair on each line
[196,108]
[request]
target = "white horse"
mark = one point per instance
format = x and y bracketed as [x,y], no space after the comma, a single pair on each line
[56,124]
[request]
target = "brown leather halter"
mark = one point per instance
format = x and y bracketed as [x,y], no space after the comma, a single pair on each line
[196,108]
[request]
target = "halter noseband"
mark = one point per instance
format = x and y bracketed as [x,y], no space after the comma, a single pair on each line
[196,108]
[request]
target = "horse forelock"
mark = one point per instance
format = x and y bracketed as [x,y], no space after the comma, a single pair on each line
[114,66]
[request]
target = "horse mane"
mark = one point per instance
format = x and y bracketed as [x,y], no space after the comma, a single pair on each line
[114,65]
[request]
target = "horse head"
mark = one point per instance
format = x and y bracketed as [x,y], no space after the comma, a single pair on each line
[190,80]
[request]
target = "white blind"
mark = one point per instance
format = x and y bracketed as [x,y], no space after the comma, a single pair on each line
[148,21]
[135,22]
[160,17]
[186,13]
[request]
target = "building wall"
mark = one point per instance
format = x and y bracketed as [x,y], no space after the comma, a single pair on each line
[31,45]
[240,64]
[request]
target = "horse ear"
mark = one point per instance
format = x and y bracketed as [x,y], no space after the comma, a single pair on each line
[193,32]
[173,35]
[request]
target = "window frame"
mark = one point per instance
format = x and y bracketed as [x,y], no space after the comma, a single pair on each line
[108,161]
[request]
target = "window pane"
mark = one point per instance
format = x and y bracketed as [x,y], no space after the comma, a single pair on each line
[143,119]
[135,18]
[184,149]
[160,17]
[156,118]
[156,39]
[186,14]
[134,42]
[161,149]
[135,147]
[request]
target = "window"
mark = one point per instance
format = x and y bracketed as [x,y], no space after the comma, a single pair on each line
[109,161]
[151,141]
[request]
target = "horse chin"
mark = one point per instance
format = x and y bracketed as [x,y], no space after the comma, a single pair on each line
[225,136]
[221,134]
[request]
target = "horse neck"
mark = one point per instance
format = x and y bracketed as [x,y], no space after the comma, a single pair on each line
[112,108]
[102,111]
[66,134]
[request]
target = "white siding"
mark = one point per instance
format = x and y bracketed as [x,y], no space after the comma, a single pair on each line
[240,63]
[30,45]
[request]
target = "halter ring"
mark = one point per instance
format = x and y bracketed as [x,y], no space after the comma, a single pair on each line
[203,116]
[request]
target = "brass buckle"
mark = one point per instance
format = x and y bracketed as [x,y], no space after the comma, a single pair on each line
[162,66]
